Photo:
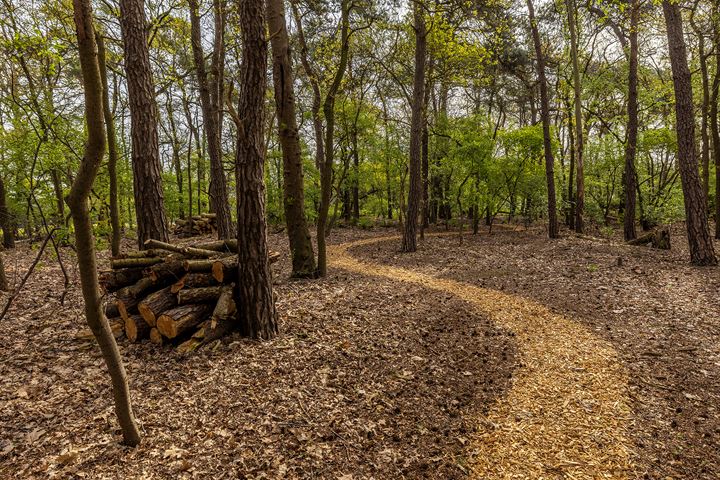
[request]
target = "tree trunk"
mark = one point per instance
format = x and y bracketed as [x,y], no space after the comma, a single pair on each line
[112,150]
[84,240]
[5,219]
[409,240]
[211,115]
[177,163]
[714,121]
[705,106]
[630,175]
[147,178]
[699,239]
[303,257]
[3,277]
[315,84]
[256,305]
[545,114]
[326,172]
[579,140]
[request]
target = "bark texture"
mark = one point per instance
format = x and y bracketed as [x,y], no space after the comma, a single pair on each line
[578,122]
[84,240]
[699,239]
[147,179]
[210,95]
[6,222]
[301,249]
[256,306]
[112,150]
[409,240]
[630,175]
[714,119]
[553,231]
[326,172]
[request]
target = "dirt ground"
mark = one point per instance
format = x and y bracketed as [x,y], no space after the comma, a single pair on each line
[369,378]
[661,314]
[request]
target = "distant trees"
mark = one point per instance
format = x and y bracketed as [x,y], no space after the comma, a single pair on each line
[344,146]
[147,178]
[77,200]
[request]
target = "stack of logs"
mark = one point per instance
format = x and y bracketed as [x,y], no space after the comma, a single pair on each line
[203,224]
[174,294]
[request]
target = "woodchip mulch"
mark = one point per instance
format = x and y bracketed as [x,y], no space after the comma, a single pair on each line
[567,412]
[658,313]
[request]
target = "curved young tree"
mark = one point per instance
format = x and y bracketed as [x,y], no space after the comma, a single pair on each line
[147,179]
[77,200]
[256,305]
[699,239]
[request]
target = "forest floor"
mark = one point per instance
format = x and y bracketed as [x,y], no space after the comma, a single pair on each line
[381,372]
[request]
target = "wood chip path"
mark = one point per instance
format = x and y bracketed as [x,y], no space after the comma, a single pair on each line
[567,413]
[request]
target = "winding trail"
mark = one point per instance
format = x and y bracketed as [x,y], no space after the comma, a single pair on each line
[567,412]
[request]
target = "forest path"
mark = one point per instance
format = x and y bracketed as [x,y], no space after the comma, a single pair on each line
[567,413]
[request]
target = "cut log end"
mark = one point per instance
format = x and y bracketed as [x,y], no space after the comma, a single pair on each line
[181,319]
[156,337]
[136,328]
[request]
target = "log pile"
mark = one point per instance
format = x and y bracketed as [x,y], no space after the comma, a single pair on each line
[659,238]
[203,224]
[180,295]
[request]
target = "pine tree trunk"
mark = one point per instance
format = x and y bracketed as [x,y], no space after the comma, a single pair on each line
[79,207]
[218,186]
[256,305]
[545,114]
[147,178]
[699,239]
[303,257]
[630,175]
[409,240]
